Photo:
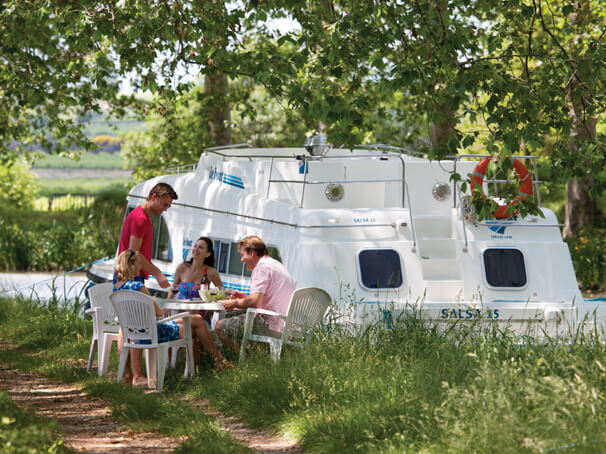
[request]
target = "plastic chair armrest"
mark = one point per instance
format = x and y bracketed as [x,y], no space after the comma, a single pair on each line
[254,310]
[92,310]
[174,317]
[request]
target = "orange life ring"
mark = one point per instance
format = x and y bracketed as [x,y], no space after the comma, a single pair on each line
[477,178]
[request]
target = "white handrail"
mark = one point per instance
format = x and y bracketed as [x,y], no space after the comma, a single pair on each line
[412,223]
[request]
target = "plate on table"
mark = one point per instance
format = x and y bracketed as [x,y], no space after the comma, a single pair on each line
[214,295]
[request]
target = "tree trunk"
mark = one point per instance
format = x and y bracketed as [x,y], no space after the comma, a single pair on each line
[441,131]
[216,87]
[581,210]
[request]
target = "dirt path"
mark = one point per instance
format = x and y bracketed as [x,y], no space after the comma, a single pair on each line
[86,422]
[259,442]
[88,426]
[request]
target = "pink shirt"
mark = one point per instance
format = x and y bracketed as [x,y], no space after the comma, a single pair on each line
[138,224]
[272,279]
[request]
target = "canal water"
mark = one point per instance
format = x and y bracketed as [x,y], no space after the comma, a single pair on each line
[44,286]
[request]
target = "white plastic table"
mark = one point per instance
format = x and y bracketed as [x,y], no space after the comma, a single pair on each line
[196,305]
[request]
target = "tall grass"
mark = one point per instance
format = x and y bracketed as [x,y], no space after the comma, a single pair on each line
[55,331]
[417,388]
[413,388]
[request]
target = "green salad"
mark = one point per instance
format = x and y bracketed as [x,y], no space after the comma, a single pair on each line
[215,295]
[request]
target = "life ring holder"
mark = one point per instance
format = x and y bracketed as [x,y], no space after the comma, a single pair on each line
[525,191]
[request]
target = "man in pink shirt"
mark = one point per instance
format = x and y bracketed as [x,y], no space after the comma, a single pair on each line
[271,288]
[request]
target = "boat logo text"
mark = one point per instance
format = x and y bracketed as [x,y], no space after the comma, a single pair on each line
[225,178]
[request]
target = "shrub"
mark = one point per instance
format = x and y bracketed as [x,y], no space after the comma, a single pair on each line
[106,143]
[15,244]
[46,241]
[588,250]
[18,185]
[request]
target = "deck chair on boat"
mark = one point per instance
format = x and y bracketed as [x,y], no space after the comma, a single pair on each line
[105,326]
[305,310]
[138,321]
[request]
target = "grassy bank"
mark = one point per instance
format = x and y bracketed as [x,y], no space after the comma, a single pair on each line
[408,389]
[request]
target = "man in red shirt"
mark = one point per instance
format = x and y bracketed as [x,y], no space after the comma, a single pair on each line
[137,234]
[138,231]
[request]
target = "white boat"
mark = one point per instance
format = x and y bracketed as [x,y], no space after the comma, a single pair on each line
[382,230]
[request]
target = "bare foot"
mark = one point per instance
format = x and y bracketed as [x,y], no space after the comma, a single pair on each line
[139,382]
[127,379]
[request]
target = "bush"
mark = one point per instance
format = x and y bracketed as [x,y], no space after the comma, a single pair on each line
[18,185]
[48,241]
[15,244]
[588,250]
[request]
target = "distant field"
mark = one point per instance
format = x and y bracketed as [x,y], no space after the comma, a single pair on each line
[80,185]
[101,160]
[102,125]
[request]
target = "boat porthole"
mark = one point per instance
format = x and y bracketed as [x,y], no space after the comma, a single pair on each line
[334,192]
[441,191]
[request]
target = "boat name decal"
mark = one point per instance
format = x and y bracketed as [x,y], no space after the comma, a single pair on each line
[468,314]
[499,227]
[186,248]
[364,220]
[225,178]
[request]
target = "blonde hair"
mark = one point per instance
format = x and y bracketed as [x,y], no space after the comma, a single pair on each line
[127,265]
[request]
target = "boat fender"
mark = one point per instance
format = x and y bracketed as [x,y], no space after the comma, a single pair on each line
[525,191]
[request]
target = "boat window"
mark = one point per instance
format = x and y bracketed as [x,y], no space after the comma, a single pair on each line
[221,254]
[235,265]
[380,268]
[504,268]
[161,249]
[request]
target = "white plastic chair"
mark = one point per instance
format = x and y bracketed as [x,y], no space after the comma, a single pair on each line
[105,326]
[138,321]
[305,310]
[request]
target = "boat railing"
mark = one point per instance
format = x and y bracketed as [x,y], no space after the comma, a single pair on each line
[387,148]
[185,168]
[306,159]
[412,222]
[228,147]
[459,196]
[536,183]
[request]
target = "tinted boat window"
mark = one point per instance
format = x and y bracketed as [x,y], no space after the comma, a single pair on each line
[221,254]
[235,265]
[380,268]
[161,249]
[504,268]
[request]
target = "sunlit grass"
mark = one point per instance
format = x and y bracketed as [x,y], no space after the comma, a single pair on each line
[54,340]
[413,388]
[21,432]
